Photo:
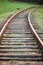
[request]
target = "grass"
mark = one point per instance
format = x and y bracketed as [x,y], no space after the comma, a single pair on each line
[7,8]
[38,13]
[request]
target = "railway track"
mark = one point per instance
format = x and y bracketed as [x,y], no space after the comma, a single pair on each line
[17,41]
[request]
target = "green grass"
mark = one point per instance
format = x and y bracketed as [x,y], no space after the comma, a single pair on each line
[38,13]
[7,8]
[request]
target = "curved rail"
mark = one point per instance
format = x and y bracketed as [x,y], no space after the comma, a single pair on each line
[32,29]
[34,32]
[5,25]
[15,47]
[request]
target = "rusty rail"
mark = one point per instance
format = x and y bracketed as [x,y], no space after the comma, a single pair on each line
[34,32]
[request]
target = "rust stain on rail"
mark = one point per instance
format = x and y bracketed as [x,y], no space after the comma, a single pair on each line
[34,32]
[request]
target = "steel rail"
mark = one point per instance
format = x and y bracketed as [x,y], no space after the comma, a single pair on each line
[34,32]
[32,29]
[24,48]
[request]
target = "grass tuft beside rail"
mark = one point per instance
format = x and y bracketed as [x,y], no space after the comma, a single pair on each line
[38,13]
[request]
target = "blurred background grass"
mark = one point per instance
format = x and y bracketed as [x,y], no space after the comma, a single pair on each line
[7,8]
